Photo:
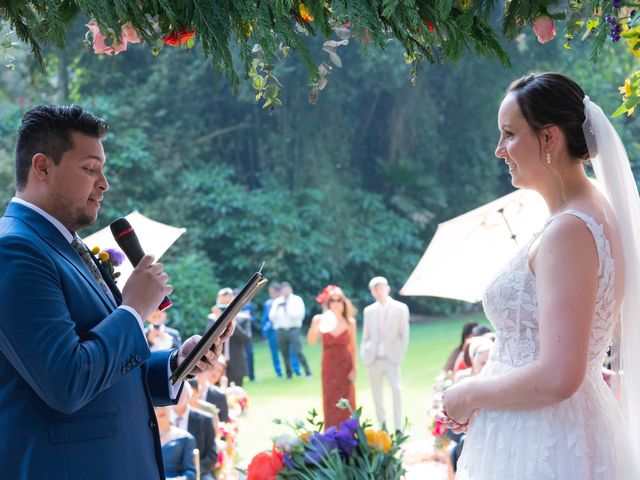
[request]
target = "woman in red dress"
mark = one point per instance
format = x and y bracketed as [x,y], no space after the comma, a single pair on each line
[337,328]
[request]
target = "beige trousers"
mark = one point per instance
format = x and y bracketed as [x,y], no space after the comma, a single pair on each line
[379,368]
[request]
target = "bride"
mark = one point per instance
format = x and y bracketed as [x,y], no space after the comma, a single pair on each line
[540,408]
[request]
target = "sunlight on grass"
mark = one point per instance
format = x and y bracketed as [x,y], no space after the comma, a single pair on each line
[271,397]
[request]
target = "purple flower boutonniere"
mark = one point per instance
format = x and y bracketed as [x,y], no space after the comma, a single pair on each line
[109,258]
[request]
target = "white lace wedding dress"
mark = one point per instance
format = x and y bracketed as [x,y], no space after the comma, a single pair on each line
[577,439]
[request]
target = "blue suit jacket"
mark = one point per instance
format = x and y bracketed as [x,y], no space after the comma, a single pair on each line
[77,379]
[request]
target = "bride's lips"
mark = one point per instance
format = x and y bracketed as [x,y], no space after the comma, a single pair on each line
[511,165]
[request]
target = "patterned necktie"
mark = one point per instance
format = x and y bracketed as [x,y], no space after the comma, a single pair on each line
[85,255]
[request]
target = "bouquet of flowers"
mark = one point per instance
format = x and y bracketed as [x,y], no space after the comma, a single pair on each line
[352,450]
[238,400]
[227,448]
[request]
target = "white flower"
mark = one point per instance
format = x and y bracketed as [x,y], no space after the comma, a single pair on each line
[286,442]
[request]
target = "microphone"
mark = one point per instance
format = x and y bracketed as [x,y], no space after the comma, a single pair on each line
[127,240]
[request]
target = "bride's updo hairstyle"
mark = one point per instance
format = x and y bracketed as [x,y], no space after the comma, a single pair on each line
[553,99]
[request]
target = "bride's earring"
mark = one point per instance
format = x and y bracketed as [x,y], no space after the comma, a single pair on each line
[548,157]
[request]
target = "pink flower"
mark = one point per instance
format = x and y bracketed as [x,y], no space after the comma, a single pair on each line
[129,34]
[544,28]
[107,44]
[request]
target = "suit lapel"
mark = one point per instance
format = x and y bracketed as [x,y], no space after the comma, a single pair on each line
[44,229]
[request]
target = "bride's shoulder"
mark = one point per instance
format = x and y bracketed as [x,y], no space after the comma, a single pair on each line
[570,230]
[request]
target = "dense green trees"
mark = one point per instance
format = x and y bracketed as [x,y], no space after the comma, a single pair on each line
[337,192]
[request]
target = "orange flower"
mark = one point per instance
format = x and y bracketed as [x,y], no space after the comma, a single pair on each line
[378,439]
[265,466]
[304,13]
[304,436]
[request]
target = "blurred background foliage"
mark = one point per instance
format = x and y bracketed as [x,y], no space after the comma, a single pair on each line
[338,192]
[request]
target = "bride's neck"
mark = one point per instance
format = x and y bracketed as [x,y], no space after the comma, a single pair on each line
[565,187]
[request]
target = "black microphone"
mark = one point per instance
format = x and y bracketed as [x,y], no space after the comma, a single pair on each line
[128,241]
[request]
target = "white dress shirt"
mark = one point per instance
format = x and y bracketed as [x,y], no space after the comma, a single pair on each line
[287,312]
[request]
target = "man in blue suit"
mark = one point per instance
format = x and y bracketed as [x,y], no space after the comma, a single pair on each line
[77,380]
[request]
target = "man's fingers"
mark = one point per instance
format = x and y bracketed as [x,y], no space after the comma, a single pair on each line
[146,261]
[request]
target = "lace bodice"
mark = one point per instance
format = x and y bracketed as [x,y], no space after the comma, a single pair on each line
[510,303]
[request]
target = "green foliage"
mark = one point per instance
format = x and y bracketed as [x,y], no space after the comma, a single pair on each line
[193,279]
[334,193]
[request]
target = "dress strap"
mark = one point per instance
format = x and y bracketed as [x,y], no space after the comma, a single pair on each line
[597,230]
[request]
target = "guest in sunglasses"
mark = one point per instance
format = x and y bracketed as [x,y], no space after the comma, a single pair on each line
[337,328]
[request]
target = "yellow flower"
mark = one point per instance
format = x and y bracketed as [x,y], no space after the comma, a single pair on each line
[246,28]
[384,441]
[95,250]
[626,89]
[304,436]
[104,256]
[305,14]
[378,439]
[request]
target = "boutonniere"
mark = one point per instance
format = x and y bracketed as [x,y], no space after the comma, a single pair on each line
[109,258]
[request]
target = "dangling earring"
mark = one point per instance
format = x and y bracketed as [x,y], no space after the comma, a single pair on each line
[548,157]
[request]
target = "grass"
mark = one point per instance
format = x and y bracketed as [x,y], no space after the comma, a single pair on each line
[272,397]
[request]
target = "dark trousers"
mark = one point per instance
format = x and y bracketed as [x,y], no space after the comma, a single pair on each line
[289,339]
[275,357]
[248,350]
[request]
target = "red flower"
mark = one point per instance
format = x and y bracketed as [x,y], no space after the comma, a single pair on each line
[323,297]
[438,429]
[179,38]
[265,466]
[429,25]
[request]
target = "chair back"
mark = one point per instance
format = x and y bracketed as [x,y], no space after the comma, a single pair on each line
[196,461]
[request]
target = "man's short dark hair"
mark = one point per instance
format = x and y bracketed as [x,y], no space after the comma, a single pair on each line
[275,286]
[47,129]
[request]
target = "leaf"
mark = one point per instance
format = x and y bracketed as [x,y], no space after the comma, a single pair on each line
[620,110]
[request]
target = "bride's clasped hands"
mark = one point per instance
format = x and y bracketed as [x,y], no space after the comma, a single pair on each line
[457,411]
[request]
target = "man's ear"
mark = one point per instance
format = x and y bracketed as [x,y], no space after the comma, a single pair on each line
[41,166]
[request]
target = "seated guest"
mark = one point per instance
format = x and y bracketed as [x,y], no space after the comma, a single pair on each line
[479,349]
[159,336]
[177,448]
[200,425]
[453,356]
[213,386]
[197,401]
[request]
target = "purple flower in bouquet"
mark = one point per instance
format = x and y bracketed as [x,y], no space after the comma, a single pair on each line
[116,256]
[345,436]
[320,444]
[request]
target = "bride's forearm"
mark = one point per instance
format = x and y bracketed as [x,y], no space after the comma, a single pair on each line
[527,387]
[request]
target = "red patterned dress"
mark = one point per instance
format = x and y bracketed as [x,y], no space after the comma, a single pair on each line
[337,362]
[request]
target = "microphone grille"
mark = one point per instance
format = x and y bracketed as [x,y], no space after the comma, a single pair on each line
[120,227]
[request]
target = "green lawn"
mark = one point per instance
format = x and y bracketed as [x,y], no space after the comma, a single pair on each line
[271,397]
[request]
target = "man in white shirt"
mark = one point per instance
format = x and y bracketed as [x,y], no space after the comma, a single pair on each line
[286,314]
[385,338]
